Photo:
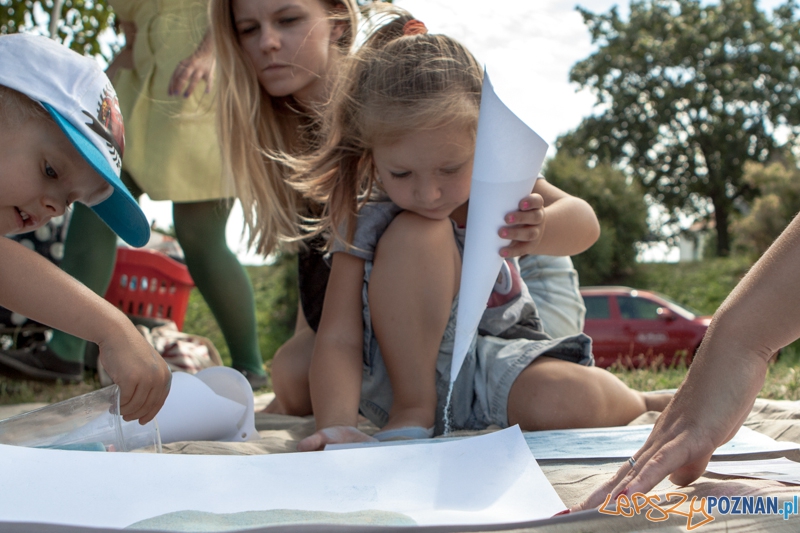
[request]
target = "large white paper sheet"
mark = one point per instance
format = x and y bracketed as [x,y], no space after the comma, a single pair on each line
[780,469]
[489,479]
[623,442]
[508,158]
[608,443]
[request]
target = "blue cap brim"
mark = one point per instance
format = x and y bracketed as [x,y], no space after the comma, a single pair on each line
[120,211]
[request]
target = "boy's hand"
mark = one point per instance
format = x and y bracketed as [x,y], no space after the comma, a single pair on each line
[332,435]
[141,374]
[525,227]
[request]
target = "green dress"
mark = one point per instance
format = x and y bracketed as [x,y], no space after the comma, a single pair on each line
[171,148]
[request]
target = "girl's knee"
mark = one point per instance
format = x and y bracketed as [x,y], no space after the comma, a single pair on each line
[413,234]
[417,254]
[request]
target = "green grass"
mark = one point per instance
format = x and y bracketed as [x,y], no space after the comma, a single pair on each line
[16,391]
[782,381]
[701,285]
[275,289]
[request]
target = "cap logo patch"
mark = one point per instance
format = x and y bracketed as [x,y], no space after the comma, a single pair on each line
[108,124]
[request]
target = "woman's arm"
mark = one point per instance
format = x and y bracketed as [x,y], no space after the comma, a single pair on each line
[124,59]
[336,366]
[550,222]
[757,319]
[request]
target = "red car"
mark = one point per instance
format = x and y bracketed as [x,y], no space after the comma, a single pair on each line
[639,328]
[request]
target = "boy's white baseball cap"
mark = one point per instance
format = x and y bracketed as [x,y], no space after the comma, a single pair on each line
[80,98]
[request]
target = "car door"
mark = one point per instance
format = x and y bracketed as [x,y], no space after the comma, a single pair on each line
[647,331]
[602,325]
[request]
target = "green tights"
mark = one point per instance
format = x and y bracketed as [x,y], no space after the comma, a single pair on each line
[89,254]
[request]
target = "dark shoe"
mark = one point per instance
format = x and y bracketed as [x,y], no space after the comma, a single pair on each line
[256,381]
[39,362]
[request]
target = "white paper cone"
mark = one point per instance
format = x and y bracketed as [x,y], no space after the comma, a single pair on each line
[508,158]
[193,411]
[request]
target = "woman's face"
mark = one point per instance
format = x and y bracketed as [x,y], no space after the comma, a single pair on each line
[289,43]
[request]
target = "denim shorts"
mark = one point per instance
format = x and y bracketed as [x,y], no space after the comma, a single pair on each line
[553,285]
[507,342]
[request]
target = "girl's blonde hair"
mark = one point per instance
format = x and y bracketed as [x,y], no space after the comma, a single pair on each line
[394,85]
[252,125]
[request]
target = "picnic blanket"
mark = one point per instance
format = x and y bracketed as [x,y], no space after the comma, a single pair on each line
[572,479]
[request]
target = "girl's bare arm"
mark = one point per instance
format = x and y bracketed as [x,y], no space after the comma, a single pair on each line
[550,222]
[335,376]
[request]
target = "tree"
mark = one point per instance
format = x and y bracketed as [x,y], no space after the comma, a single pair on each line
[81,22]
[778,202]
[686,94]
[620,207]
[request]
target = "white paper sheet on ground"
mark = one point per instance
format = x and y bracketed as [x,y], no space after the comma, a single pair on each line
[780,469]
[508,157]
[623,442]
[193,411]
[609,443]
[489,479]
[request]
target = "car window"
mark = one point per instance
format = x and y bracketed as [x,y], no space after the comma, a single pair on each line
[637,308]
[596,307]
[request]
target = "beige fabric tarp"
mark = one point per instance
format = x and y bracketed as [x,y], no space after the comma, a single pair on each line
[571,479]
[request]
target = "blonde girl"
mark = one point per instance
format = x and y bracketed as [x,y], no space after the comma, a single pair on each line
[275,62]
[394,176]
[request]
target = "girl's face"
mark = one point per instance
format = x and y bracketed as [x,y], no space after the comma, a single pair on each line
[290,44]
[429,172]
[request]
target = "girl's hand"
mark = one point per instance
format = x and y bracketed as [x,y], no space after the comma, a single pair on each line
[332,435]
[525,227]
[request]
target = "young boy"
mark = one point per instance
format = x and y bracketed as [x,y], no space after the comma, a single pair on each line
[61,141]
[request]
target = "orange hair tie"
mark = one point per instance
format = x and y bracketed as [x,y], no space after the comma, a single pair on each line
[415,27]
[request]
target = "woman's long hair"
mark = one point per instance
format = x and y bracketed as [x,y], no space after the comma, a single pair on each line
[252,125]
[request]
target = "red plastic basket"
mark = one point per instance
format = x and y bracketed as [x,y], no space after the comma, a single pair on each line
[150,284]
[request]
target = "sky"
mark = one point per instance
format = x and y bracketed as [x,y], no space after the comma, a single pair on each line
[528,47]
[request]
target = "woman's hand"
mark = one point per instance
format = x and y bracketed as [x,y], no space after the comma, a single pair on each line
[196,68]
[758,318]
[705,413]
[332,435]
[525,227]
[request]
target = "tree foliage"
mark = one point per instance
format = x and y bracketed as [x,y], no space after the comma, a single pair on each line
[688,92]
[778,185]
[81,22]
[619,205]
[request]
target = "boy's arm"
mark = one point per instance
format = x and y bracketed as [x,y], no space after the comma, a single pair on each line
[35,288]
[550,222]
[335,375]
